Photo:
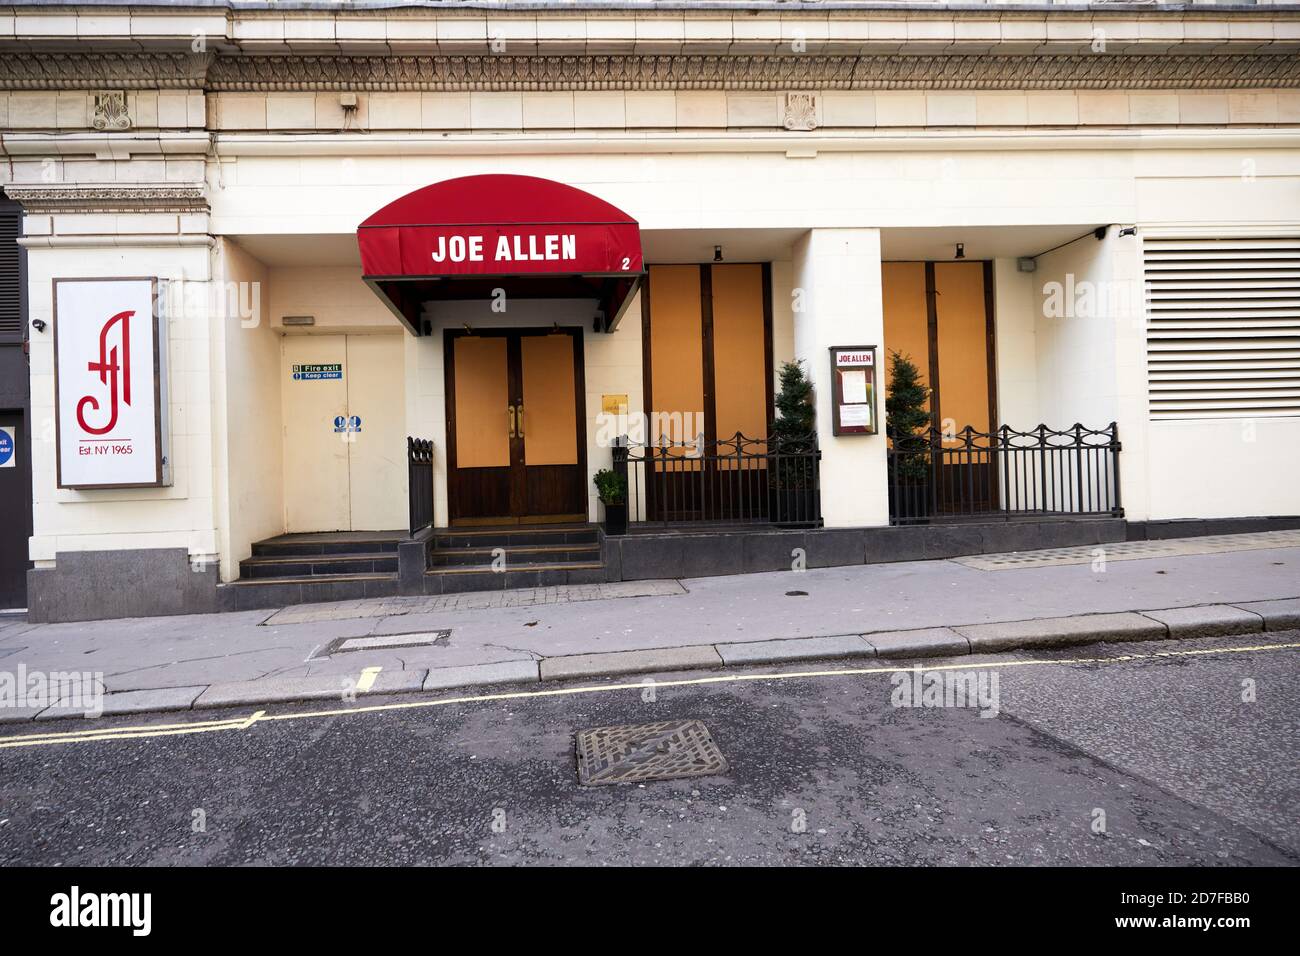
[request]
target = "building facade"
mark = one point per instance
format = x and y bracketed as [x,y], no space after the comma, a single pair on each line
[543,240]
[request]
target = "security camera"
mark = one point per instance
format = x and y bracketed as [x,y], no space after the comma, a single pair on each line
[38,325]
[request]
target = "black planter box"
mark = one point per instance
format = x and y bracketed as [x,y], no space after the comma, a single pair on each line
[615,518]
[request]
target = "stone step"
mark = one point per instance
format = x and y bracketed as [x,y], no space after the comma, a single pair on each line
[283,592]
[289,546]
[315,565]
[507,536]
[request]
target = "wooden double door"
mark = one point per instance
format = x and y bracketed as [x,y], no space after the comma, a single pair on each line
[515,426]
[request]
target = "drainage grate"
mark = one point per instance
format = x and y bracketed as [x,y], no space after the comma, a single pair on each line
[639,752]
[379,642]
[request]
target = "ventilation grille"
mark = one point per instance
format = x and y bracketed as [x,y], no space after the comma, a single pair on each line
[11,312]
[1223,337]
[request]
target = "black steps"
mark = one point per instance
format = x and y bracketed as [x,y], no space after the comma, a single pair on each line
[314,565]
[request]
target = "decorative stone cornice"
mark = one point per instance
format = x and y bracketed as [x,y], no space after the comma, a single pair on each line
[774,72]
[122,71]
[95,197]
[728,72]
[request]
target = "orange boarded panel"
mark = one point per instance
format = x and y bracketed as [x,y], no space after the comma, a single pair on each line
[676,352]
[906,322]
[482,399]
[550,418]
[739,359]
[963,348]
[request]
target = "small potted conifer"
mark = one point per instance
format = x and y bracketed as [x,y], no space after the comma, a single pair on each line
[793,495]
[611,487]
[907,421]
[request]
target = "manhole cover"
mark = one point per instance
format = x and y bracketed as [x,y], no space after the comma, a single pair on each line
[639,752]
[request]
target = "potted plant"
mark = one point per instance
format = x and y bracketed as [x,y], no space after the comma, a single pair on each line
[611,487]
[907,423]
[792,439]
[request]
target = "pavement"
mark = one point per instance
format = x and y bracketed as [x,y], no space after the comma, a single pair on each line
[1168,753]
[1194,588]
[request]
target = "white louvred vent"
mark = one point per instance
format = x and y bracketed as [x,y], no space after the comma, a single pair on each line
[1223,329]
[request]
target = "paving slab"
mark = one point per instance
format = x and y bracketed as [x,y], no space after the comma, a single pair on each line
[794,649]
[923,642]
[630,662]
[1059,631]
[324,687]
[502,672]
[1283,615]
[1209,620]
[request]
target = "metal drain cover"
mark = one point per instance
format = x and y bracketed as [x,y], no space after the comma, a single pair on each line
[635,753]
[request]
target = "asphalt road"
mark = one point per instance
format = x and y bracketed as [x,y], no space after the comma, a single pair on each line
[1161,755]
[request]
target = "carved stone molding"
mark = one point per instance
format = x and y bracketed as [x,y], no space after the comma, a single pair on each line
[263,73]
[110,113]
[724,72]
[800,112]
[122,71]
[95,197]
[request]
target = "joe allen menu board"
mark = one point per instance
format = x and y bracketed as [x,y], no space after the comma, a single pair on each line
[853,376]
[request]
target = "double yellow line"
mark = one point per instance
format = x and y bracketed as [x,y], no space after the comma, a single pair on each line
[261,716]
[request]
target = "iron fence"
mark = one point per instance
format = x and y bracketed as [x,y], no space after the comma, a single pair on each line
[1070,473]
[419,469]
[735,480]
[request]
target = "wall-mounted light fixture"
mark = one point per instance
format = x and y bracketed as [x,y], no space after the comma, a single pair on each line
[717,253]
[1128,231]
[1026,264]
[961,250]
[298,320]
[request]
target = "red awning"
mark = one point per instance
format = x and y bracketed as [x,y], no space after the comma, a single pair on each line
[463,238]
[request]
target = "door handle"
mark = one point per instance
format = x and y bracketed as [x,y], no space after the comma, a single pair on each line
[519,419]
[510,418]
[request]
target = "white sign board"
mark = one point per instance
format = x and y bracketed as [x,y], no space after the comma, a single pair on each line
[110,348]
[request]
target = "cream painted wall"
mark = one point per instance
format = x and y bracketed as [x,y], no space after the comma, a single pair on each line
[183,515]
[1224,468]
[838,273]
[247,419]
[1015,314]
[782,318]
[706,190]
[335,295]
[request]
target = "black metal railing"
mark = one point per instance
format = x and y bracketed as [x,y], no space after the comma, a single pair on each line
[1004,474]
[419,469]
[735,480]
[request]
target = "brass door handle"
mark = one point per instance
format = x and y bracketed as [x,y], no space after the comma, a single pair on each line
[519,419]
[510,417]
